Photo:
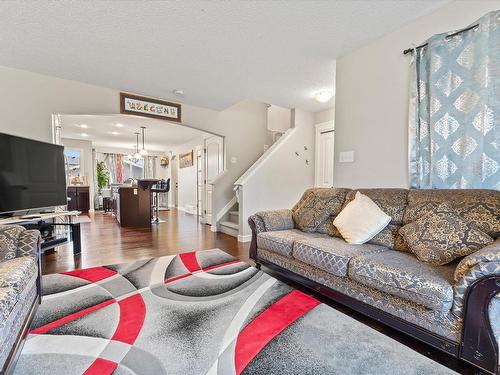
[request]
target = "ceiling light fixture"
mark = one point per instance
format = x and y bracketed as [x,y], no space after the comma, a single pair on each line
[118,125]
[84,126]
[84,135]
[115,133]
[178,92]
[323,96]
[143,152]
[137,155]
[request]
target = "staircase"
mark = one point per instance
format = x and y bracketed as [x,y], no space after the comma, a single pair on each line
[230,224]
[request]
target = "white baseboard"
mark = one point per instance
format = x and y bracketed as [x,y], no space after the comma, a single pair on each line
[213,228]
[244,237]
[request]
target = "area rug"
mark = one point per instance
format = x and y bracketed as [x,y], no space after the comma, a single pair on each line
[199,313]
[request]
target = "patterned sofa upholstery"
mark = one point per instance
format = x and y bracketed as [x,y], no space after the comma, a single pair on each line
[383,273]
[19,286]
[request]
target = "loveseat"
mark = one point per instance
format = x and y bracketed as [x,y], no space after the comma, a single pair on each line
[453,307]
[19,288]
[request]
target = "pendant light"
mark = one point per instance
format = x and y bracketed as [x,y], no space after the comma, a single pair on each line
[137,155]
[143,152]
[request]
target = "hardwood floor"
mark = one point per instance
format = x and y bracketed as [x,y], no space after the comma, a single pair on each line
[105,242]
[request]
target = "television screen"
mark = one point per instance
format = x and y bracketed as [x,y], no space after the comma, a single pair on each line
[31,174]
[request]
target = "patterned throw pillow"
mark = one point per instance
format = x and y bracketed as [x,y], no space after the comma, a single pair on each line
[310,213]
[440,236]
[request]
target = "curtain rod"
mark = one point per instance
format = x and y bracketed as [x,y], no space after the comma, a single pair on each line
[410,50]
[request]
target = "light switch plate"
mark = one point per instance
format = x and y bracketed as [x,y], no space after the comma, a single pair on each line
[233,160]
[346,157]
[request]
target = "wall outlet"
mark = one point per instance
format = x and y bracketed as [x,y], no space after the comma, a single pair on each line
[346,157]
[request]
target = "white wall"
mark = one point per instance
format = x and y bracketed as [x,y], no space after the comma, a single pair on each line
[29,100]
[371,109]
[88,165]
[186,177]
[280,180]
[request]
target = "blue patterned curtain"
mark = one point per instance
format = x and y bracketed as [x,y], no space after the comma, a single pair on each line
[454,129]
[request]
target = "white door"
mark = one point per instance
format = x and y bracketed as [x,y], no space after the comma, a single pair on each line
[174,182]
[324,161]
[199,182]
[214,165]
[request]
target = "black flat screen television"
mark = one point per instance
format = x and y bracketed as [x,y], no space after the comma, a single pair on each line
[32,174]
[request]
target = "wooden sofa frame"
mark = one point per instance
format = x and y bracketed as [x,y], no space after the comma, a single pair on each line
[478,345]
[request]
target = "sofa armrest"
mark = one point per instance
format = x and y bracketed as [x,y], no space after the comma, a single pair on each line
[28,243]
[9,235]
[267,221]
[490,253]
[276,220]
[471,269]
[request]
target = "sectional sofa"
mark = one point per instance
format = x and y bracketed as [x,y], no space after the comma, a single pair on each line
[454,307]
[20,279]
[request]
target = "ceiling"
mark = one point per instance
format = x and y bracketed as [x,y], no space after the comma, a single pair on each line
[218,53]
[159,135]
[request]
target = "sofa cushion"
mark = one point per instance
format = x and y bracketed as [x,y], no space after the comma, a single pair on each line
[310,213]
[330,254]
[8,241]
[16,273]
[476,206]
[403,275]
[391,238]
[440,236]
[8,298]
[281,241]
[316,206]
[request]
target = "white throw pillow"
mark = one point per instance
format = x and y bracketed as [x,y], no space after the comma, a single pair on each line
[361,220]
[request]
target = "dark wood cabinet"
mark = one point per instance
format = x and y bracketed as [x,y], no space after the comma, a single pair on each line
[133,207]
[79,198]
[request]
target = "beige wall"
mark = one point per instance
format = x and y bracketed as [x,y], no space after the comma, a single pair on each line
[371,109]
[324,116]
[281,178]
[29,100]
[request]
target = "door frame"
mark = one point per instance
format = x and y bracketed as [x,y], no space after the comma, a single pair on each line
[200,201]
[209,219]
[321,128]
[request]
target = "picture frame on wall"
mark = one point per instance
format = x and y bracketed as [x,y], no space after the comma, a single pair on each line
[186,159]
[131,104]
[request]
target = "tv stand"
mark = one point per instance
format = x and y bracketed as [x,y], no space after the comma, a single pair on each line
[38,221]
[31,217]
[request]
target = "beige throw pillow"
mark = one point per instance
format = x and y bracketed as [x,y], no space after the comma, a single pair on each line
[361,220]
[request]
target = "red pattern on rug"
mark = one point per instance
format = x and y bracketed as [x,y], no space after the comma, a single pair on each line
[132,315]
[190,262]
[101,367]
[93,274]
[257,334]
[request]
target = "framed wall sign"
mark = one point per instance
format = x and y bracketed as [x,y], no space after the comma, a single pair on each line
[143,106]
[186,160]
